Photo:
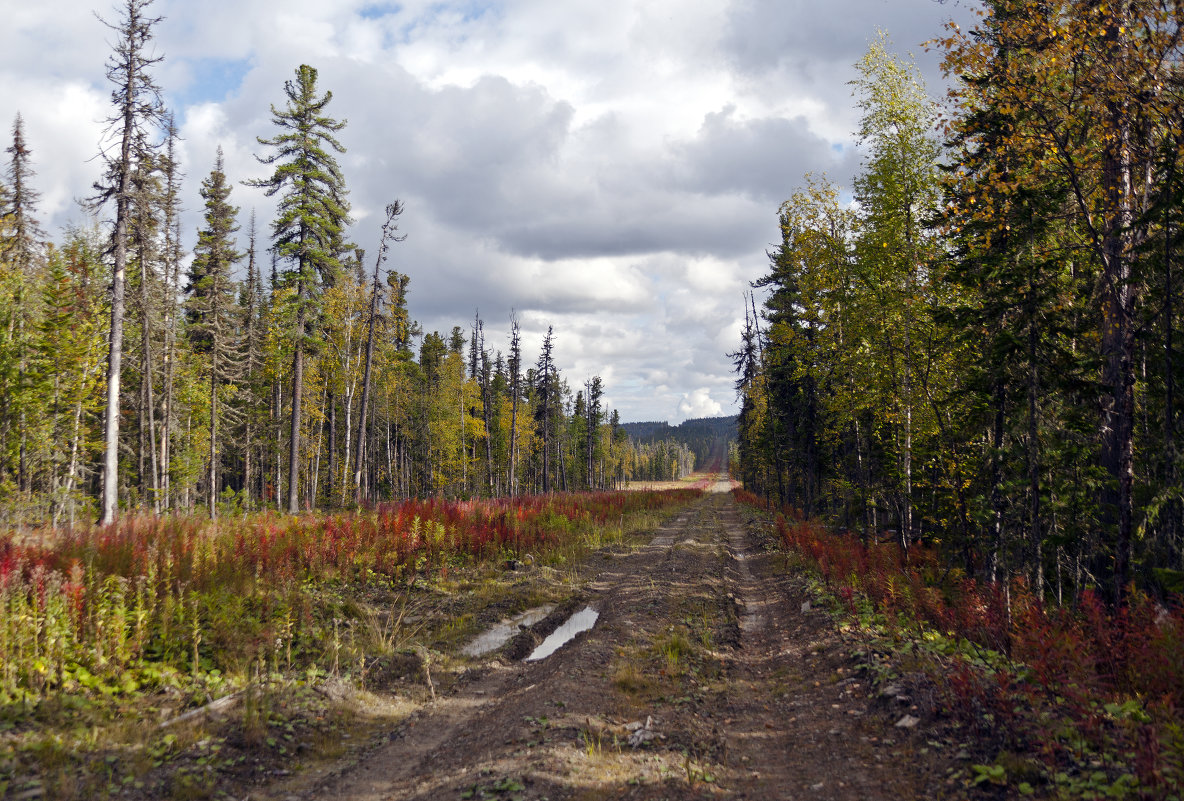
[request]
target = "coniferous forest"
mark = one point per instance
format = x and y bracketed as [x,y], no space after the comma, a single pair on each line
[274,363]
[701,443]
[261,533]
[982,350]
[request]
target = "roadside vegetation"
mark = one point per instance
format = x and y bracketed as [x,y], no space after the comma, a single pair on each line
[1049,701]
[967,379]
[124,649]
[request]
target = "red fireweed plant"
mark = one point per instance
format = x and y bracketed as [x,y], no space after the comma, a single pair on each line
[150,599]
[1096,691]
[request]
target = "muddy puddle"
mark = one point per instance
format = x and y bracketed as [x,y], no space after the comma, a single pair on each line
[582,620]
[500,633]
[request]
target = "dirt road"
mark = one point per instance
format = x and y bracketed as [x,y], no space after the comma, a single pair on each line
[705,676]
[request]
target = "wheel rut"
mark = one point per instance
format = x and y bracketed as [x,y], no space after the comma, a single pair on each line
[705,676]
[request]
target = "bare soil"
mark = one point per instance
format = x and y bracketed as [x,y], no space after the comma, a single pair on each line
[704,635]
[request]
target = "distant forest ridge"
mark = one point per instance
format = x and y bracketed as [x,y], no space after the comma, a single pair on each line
[724,427]
[704,436]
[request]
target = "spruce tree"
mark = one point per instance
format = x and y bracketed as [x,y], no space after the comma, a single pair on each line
[23,243]
[1069,103]
[212,310]
[515,365]
[144,249]
[487,396]
[311,217]
[21,249]
[595,393]
[546,392]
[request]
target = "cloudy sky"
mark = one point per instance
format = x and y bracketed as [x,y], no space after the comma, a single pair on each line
[609,167]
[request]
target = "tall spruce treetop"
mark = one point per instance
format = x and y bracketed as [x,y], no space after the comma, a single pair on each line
[22,247]
[212,311]
[313,210]
[309,223]
[211,288]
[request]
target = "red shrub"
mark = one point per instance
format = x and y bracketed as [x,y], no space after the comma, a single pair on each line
[1079,660]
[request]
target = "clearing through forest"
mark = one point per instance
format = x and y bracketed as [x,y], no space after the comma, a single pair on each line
[706,675]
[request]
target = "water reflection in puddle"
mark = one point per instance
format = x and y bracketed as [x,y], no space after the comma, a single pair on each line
[500,633]
[580,621]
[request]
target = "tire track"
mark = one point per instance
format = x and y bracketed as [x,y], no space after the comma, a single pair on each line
[767,714]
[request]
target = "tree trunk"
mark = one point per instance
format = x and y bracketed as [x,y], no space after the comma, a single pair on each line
[347,441]
[114,365]
[297,390]
[1118,332]
[365,406]
[562,462]
[1035,529]
[996,566]
[546,440]
[127,99]
[486,402]
[167,410]
[1172,522]
[514,437]
[464,456]
[142,439]
[212,477]
[906,523]
[72,471]
[146,378]
[277,406]
[315,453]
[247,461]
[187,504]
[332,404]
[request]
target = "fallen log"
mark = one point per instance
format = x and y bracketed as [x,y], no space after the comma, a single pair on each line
[214,707]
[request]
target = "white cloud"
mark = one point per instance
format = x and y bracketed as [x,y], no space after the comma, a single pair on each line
[698,403]
[609,167]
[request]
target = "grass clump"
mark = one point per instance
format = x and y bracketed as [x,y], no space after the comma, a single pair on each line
[630,678]
[674,647]
[105,633]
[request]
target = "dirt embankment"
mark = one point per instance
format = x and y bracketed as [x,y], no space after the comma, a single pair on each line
[706,675]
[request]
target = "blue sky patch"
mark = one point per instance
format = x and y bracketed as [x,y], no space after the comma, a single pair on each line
[212,80]
[476,10]
[379,10]
[469,11]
